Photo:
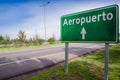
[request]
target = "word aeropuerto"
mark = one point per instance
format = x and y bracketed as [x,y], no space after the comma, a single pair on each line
[88,19]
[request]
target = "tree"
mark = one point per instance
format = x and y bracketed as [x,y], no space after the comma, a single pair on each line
[40,41]
[7,40]
[16,43]
[1,39]
[21,36]
[30,41]
[51,40]
[37,40]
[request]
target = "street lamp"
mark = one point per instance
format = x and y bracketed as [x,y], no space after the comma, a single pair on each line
[44,5]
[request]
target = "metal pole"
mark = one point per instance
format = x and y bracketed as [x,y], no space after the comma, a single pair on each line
[66,56]
[106,61]
[44,5]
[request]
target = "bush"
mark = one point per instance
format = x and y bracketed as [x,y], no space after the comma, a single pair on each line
[51,40]
[40,41]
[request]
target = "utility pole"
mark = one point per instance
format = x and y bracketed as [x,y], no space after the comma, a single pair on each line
[44,6]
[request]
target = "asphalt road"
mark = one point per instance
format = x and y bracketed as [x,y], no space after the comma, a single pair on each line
[19,62]
[7,57]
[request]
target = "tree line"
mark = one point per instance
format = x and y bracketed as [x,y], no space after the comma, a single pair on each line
[21,40]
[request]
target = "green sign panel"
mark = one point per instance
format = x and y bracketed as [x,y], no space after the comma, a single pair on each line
[97,25]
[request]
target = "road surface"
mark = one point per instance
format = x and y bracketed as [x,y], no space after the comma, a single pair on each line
[28,60]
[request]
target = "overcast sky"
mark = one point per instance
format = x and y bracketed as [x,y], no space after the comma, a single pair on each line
[27,15]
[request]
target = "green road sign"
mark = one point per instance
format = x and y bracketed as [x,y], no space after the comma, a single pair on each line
[96,25]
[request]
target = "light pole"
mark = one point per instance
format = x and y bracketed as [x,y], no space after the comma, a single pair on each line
[44,5]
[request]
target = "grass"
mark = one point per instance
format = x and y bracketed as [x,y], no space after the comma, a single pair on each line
[28,47]
[86,68]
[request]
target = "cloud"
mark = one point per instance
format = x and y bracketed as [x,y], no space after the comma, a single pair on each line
[31,25]
[29,17]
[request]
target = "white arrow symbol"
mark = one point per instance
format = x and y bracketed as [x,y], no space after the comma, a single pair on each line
[83,32]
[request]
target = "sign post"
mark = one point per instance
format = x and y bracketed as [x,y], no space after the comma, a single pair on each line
[106,61]
[66,56]
[99,25]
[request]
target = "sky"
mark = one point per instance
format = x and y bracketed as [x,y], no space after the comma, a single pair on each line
[28,15]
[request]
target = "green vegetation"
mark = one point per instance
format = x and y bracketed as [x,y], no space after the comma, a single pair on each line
[86,68]
[21,36]
[29,47]
[22,41]
[5,40]
[51,40]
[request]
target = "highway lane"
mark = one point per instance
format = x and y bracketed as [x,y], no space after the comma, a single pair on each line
[7,57]
[19,62]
